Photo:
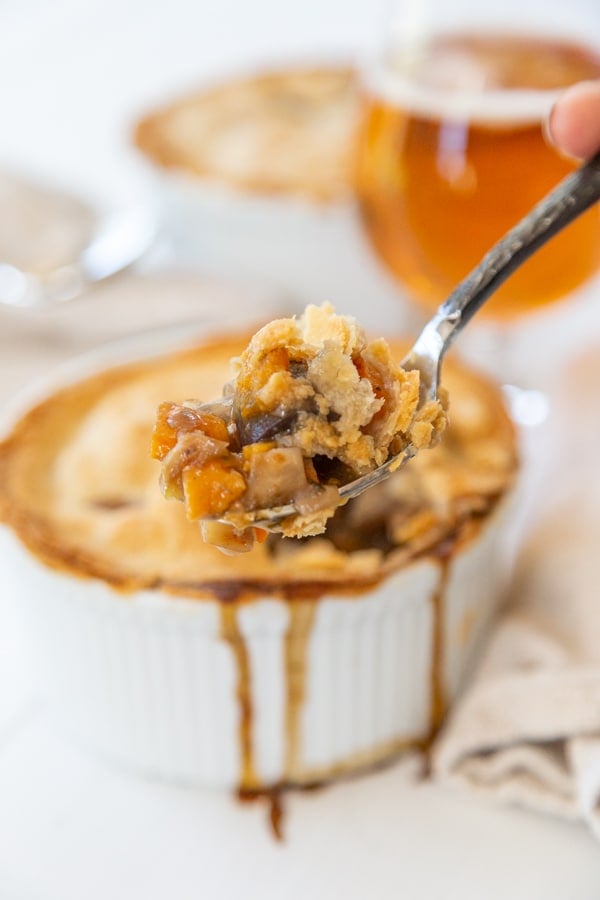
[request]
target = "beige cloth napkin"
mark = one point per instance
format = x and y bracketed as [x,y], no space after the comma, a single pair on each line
[527,729]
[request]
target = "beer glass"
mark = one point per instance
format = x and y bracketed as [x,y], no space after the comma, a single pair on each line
[453,152]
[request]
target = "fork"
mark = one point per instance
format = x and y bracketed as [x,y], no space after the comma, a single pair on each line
[573,196]
[120,240]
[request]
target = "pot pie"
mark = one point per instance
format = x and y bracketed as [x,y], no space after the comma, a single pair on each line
[297,662]
[290,131]
[313,406]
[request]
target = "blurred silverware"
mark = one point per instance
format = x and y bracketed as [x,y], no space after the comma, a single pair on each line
[119,241]
[572,197]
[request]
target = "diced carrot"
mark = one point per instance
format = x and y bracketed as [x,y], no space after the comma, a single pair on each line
[164,437]
[254,377]
[251,450]
[213,427]
[260,535]
[210,490]
[171,423]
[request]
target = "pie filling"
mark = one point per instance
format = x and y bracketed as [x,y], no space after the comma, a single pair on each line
[313,406]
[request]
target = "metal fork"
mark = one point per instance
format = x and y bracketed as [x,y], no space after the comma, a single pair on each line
[573,196]
[119,241]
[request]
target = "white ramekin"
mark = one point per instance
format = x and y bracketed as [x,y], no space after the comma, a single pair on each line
[147,680]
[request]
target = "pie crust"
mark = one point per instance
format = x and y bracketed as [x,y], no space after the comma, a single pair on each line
[285,132]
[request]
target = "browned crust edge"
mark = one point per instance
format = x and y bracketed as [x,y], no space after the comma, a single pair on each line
[36,534]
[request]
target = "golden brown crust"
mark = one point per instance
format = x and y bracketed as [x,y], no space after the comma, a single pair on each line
[79,488]
[285,132]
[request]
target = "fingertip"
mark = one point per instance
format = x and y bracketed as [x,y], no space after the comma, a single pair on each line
[573,125]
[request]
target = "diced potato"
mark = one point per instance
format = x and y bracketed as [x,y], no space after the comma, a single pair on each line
[226,537]
[275,476]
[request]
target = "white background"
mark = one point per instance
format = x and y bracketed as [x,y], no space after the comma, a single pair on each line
[73,77]
[75,74]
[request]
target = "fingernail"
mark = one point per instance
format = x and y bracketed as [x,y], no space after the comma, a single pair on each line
[547,125]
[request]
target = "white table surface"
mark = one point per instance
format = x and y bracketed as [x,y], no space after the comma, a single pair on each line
[72,77]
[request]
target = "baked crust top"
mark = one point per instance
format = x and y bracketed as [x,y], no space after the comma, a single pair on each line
[287,132]
[78,486]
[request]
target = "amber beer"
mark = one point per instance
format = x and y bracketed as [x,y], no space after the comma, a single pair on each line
[455,155]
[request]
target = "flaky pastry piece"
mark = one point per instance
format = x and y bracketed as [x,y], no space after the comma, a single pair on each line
[312,406]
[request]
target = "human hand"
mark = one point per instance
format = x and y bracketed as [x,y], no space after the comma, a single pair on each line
[574,121]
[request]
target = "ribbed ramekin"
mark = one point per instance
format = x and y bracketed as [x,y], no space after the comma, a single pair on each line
[256,692]
[153,680]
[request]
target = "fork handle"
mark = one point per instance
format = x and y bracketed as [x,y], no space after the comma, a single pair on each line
[576,193]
